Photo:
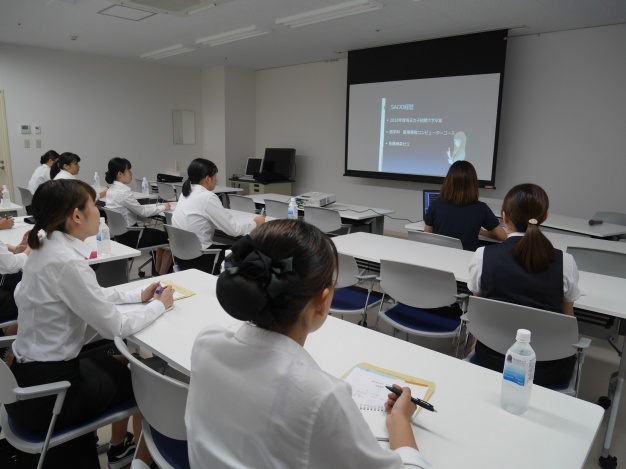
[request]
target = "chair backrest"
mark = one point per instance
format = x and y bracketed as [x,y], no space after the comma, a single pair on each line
[599,261]
[243,204]
[495,324]
[116,221]
[417,286]
[276,208]
[166,191]
[616,218]
[160,399]
[7,381]
[323,218]
[27,197]
[347,271]
[436,239]
[135,185]
[183,243]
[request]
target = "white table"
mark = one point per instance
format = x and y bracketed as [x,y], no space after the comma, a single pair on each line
[111,269]
[11,210]
[470,430]
[601,293]
[348,212]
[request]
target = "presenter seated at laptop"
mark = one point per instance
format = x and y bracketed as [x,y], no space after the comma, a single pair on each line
[458,213]
[200,211]
[257,398]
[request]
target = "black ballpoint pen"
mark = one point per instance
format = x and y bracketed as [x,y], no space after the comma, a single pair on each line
[414,400]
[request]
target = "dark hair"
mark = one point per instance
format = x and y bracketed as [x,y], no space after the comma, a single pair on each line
[53,202]
[49,155]
[64,159]
[460,186]
[521,204]
[198,169]
[273,273]
[116,165]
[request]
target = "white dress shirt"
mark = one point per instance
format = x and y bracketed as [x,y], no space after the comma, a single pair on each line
[202,213]
[59,295]
[9,262]
[41,175]
[571,292]
[258,400]
[64,175]
[120,199]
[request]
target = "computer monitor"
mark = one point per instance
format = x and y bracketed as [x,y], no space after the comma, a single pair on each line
[253,166]
[281,161]
[429,197]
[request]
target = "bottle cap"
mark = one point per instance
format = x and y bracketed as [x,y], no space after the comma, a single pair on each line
[523,335]
[101,219]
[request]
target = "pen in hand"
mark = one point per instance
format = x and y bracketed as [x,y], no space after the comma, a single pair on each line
[414,400]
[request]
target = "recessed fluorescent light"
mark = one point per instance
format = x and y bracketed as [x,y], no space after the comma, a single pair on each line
[167,52]
[230,36]
[329,13]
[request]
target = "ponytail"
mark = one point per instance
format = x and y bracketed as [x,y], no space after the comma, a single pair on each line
[33,237]
[526,206]
[198,169]
[54,170]
[187,187]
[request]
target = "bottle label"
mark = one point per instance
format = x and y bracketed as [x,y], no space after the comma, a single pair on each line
[99,237]
[519,369]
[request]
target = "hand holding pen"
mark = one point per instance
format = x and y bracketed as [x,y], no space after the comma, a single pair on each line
[398,392]
[6,222]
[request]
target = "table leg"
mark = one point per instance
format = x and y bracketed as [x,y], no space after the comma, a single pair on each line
[607,461]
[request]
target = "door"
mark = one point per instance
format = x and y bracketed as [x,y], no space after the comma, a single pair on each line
[5,160]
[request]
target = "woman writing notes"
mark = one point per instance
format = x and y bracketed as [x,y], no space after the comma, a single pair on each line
[57,297]
[199,210]
[526,270]
[120,199]
[272,406]
[458,213]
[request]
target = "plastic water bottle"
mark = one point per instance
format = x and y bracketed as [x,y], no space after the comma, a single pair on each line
[103,239]
[518,374]
[145,188]
[96,181]
[292,210]
[6,196]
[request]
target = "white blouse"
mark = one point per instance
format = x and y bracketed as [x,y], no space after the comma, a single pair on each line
[202,212]
[120,199]
[41,175]
[258,400]
[59,295]
[9,262]
[64,175]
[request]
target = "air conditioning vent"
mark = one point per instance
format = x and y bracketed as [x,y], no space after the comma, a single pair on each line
[171,7]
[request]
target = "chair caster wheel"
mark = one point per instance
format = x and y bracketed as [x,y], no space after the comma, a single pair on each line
[141,274]
[610,462]
[604,402]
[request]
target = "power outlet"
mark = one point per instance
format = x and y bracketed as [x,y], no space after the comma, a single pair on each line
[38,143]
[26,143]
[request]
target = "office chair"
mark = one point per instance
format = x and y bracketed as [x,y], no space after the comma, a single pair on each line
[241,203]
[39,443]
[27,199]
[162,402]
[185,245]
[328,221]
[350,299]
[276,208]
[425,301]
[554,335]
[118,227]
[436,239]
[167,192]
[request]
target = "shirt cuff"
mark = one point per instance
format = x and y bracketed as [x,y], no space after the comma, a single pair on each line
[412,458]
[22,257]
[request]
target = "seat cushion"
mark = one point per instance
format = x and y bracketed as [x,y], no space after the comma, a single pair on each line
[352,299]
[173,451]
[437,320]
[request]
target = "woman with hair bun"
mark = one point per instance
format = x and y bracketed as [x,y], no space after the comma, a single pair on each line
[526,270]
[120,199]
[42,173]
[257,398]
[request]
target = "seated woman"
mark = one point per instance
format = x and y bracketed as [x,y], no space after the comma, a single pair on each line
[280,280]
[526,270]
[67,167]
[57,298]
[458,213]
[199,210]
[120,199]
[42,173]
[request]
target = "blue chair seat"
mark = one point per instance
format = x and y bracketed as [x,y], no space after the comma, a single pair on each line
[436,320]
[173,451]
[352,299]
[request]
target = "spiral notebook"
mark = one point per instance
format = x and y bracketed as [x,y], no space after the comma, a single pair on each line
[368,391]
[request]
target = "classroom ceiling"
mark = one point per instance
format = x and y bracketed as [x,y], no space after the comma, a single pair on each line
[93,27]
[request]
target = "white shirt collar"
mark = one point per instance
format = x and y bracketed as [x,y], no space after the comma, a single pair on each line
[79,246]
[516,233]
[121,185]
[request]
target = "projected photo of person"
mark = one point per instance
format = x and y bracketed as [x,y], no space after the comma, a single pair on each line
[458,154]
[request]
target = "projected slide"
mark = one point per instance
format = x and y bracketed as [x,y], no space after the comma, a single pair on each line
[423,126]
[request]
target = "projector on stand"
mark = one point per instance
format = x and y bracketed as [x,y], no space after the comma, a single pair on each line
[315,199]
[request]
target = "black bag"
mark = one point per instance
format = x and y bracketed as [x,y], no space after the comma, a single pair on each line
[8,455]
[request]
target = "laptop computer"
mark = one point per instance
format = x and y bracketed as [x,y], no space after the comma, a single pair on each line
[253,166]
[429,197]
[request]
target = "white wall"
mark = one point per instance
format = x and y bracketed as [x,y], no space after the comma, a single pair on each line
[98,108]
[563,117]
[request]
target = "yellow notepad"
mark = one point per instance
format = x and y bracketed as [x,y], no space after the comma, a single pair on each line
[368,391]
[179,292]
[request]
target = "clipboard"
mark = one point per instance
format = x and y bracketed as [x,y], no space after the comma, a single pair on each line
[369,393]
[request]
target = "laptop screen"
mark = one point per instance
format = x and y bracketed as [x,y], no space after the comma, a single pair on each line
[429,197]
[253,166]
